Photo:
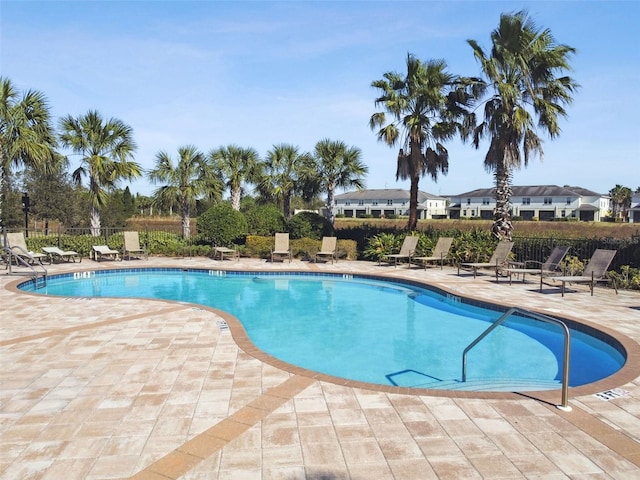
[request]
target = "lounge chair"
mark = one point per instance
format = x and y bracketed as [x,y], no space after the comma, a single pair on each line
[55,253]
[229,252]
[594,272]
[281,248]
[328,249]
[440,252]
[132,245]
[498,260]
[407,250]
[100,251]
[551,266]
[18,246]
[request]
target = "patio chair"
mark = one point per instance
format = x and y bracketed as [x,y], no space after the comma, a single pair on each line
[407,250]
[328,249]
[551,266]
[55,253]
[281,248]
[440,252]
[498,260]
[18,246]
[222,251]
[594,272]
[102,251]
[132,245]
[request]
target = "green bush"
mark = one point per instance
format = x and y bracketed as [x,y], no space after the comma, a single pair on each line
[628,278]
[260,247]
[264,220]
[310,225]
[221,225]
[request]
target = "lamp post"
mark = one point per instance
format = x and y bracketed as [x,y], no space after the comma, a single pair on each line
[25,209]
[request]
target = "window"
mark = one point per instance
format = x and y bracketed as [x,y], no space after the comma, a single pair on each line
[548,200]
[360,202]
[485,201]
[568,200]
[347,202]
[468,201]
[526,201]
[389,202]
[464,213]
[375,202]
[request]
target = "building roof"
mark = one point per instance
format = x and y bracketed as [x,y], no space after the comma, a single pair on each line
[386,194]
[534,191]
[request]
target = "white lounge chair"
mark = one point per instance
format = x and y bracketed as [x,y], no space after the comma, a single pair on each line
[101,251]
[55,253]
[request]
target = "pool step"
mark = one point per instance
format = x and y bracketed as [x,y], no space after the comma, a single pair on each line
[493,385]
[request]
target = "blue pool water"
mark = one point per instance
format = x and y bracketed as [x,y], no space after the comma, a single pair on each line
[365,329]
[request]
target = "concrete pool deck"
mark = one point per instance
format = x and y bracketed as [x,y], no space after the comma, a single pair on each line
[148,389]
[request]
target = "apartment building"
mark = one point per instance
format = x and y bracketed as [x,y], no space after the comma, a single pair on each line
[544,202]
[386,202]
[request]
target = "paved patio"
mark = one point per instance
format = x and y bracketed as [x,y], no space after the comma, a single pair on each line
[147,389]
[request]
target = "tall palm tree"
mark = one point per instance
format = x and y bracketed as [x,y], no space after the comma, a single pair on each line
[236,165]
[106,147]
[185,181]
[523,82]
[26,134]
[338,166]
[427,106]
[286,172]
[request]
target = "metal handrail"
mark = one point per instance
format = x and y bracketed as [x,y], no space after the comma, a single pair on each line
[538,316]
[11,256]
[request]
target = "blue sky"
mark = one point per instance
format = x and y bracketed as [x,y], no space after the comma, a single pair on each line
[256,74]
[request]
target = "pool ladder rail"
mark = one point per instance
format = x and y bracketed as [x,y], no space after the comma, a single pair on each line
[39,277]
[564,406]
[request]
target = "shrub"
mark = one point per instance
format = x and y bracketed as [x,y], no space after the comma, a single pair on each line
[310,225]
[264,220]
[221,225]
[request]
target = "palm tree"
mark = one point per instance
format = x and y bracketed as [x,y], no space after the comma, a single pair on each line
[26,135]
[338,166]
[426,106]
[236,165]
[286,172]
[106,147]
[621,199]
[522,80]
[190,178]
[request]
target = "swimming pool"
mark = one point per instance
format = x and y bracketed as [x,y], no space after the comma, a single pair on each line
[368,330]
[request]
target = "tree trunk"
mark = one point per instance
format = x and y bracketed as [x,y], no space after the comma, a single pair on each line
[502,227]
[331,192]
[235,198]
[186,220]
[287,206]
[95,221]
[413,203]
